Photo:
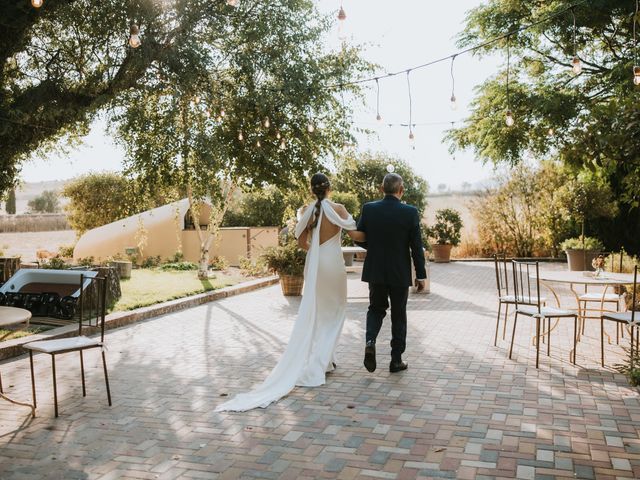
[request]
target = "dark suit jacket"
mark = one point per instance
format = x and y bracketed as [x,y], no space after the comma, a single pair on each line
[393,237]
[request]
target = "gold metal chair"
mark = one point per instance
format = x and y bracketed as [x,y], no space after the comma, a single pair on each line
[623,318]
[79,343]
[527,290]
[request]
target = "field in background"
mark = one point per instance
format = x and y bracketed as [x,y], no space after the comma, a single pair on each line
[457,201]
[25,244]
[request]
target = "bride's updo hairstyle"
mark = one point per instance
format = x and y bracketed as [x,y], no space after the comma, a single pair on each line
[320,185]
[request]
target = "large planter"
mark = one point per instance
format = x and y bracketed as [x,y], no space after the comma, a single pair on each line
[576,259]
[123,267]
[291,285]
[441,253]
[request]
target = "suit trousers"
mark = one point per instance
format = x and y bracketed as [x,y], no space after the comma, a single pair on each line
[379,296]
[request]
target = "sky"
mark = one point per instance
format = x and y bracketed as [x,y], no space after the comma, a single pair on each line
[397,36]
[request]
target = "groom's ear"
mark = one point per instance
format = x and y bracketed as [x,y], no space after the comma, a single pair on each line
[381,188]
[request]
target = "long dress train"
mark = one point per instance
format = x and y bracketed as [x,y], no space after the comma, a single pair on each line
[310,351]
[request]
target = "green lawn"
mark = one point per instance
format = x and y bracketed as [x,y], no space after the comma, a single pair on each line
[150,286]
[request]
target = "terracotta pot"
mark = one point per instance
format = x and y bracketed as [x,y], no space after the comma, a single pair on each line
[441,253]
[291,285]
[576,259]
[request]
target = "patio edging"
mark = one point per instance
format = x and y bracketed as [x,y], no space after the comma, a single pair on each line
[13,348]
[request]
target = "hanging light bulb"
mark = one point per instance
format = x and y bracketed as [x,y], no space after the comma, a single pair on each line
[278,136]
[551,132]
[379,117]
[283,145]
[196,99]
[636,75]
[134,37]
[267,123]
[37,3]
[218,119]
[576,66]
[454,103]
[311,128]
[342,16]
[222,113]
[391,168]
[258,144]
[240,136]
[412,137]
[509,120]
[232,3]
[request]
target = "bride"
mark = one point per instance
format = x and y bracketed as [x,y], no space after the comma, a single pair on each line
[310,352]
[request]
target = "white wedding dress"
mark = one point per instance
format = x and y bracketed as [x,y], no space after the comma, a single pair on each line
[311,348]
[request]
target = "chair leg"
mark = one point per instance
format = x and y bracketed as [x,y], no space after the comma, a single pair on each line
[618,333]
[631,347]
[513,334]
[84,389]
[1,390]
[495,340]
[106,377]
[548,337]
[506,315]
[575,338]
[55,386]
[602,339]
[537,341]
[584,317]
[33,379]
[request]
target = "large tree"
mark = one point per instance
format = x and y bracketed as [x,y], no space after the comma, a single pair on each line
[589,120]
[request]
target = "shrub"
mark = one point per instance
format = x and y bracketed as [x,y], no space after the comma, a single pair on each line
[66,251]
[252,268]
[349,200]
[447,227]
[151,262]
[262,207]
[218,263]
[177,257]
[576,243]
[86,261]
[179,266]
[55,263]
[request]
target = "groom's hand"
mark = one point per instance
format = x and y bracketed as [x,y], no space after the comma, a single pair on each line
[420,285]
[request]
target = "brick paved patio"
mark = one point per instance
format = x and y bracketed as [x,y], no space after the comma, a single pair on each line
[462,410]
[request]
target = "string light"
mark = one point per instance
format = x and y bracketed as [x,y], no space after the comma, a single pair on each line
[576,64]
[636,66]
[232,3]
[551,132]
[509,120]
[37,3]
[266,123]
[378,116]
[391,168]
[342,16]
[258,144]
[278,135]
[283,145]
[311,128]
[411,135]
[454,102]
[240,136]
[134,37]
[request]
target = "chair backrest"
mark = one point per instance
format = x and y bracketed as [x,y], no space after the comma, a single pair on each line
[525,288]
[502,277]
[99,284]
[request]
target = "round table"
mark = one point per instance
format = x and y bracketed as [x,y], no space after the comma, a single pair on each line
[572,278]
[12,316]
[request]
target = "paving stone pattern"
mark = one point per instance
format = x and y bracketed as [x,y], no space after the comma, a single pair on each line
[462,410]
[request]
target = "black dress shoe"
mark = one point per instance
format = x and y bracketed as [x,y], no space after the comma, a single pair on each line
[398,366]
[370,356]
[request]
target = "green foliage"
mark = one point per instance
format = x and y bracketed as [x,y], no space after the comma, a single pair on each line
[179,266]
[447,227]
[96,199]
[10,205]
[55,263]
[252,268]
[579,243]
[65,251]
[46,202]
[177,257]
[586,197]
[218,263]
[593,117]
[361,174]
[286,259]
[86,261]
[262,207]
[349,200]
[151,262]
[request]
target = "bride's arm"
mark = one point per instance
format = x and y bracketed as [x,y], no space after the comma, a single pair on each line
[303,239]
[356,235]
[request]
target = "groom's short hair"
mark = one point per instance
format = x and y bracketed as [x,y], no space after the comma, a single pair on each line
[391,183]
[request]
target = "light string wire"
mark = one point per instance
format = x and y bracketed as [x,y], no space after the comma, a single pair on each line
[378,117]
[466,50]
[636,20]
[508,73]
[575,44]
[410,104]
[453,80]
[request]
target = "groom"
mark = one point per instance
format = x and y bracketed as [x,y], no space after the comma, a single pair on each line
[392,229]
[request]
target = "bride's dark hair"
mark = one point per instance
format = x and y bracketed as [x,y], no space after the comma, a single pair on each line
[320,185]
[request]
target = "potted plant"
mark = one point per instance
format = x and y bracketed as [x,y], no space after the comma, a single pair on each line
[581,251]
[446,234]
[287,260]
